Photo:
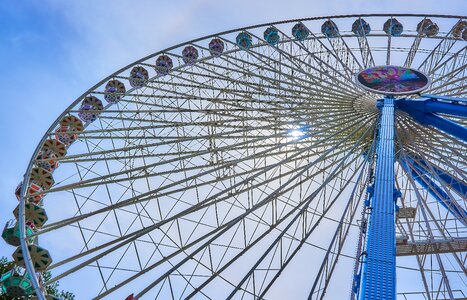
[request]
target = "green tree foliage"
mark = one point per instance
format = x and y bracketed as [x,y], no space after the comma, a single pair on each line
[52,289]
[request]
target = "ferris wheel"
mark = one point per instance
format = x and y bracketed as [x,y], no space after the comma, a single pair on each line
[313,158]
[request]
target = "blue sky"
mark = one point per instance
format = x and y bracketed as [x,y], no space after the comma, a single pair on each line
[52,51]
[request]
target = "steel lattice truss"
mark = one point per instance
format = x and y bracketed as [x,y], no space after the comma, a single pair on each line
[244,175]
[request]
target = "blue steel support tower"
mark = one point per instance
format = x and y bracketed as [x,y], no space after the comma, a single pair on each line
[379,274]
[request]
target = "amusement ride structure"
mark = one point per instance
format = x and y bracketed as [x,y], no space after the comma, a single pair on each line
[313,158]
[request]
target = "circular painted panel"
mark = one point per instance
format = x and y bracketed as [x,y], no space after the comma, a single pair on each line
[392,80]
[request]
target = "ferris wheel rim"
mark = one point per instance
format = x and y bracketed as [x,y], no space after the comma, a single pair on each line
[154,54]
[26,178]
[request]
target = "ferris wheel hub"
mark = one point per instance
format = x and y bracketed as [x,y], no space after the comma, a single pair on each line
[392,80]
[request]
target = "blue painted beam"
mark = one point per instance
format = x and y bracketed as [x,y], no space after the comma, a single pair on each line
[432,106]
[446,108]
[445,98]
[434,190]
[428,118]
[455,183]
[379,270]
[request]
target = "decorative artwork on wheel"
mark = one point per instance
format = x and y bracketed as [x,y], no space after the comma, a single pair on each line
[392,80]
